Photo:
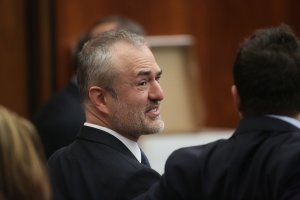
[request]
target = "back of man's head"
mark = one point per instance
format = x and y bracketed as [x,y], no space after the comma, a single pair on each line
[267,73]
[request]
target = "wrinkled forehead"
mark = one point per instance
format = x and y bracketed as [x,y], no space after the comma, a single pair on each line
[124,51]
[126,56]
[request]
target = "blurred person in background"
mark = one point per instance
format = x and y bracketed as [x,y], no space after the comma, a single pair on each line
[22,161]
[60,119]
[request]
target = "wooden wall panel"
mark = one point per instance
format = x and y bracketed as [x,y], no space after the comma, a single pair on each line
[13,66]
[222,27]
[218,27]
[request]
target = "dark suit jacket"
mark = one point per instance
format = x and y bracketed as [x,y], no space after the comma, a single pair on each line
[98,166]
[59,121]
[261,161]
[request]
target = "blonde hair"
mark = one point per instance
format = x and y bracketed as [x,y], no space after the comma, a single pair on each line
[22,164]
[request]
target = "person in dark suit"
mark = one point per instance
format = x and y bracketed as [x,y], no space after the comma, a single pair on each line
[261,160]
[118,80]
[60,119]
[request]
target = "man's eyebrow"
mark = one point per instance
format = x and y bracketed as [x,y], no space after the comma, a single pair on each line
[159,73]
[144,73]
[147,73]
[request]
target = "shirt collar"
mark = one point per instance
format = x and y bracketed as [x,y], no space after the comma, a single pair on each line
[131,145]
[289,120]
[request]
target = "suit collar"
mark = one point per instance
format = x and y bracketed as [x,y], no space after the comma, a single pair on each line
[265,123]
[131,145]
[290,120]
[99,136]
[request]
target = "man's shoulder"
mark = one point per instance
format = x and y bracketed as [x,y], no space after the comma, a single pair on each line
[198,149]
[287,145]
[60,154]
[93,153]
[193,154]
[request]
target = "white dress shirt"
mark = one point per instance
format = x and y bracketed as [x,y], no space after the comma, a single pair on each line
[289,120]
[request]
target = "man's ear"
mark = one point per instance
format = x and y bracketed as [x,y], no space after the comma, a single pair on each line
[236,98]
[98,98]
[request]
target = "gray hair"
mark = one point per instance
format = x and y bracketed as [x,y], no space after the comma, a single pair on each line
[95,60]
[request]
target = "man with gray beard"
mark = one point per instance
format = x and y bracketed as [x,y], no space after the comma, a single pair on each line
[118,81]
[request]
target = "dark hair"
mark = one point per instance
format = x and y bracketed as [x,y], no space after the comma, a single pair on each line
[267,73]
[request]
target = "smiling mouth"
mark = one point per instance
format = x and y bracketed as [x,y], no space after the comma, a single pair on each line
[153,112]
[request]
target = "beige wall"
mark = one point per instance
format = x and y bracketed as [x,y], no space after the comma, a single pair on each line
[182,107]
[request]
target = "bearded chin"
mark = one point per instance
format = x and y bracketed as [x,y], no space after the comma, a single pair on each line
[133,121]
[157,127]
[138,126]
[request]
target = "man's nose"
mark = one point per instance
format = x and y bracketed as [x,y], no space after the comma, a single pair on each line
[156,92]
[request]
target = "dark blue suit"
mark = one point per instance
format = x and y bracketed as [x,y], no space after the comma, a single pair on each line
[261,161]
[98,166]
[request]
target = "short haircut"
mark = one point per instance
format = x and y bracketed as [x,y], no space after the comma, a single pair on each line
[95,60]
[267,73]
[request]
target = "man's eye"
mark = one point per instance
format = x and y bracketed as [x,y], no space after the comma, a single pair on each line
[157,78]
[142,83]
